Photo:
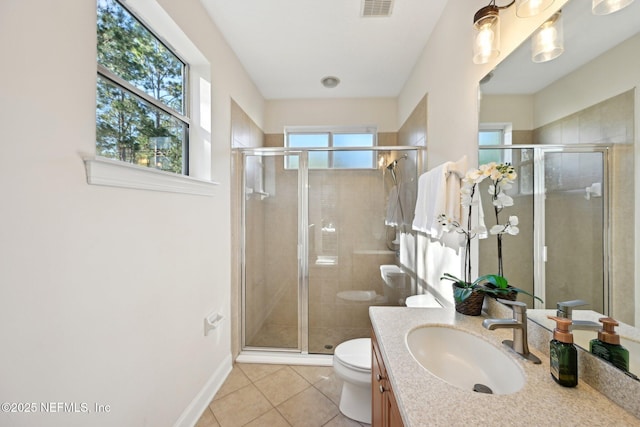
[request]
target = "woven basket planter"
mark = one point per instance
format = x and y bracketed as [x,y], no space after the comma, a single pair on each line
[472,306]
[511,295]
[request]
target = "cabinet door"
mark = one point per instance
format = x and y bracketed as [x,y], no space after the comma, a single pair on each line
[385,411]
[393,412]
[377,381]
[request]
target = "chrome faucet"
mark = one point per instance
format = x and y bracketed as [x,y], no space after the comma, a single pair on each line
[518,323]
[565,310]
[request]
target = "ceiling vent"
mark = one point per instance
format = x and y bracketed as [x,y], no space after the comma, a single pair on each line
[377,7]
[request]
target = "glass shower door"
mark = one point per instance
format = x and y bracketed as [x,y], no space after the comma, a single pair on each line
[270,291]
[575,219]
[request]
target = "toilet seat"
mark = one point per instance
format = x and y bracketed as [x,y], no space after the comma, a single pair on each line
[358,296]
[355,354]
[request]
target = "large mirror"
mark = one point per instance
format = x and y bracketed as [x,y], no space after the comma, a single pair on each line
[568,126]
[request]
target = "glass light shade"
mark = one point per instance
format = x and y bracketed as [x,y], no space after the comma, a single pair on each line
[486,36]
[527,8]
[605,7]
[547,42]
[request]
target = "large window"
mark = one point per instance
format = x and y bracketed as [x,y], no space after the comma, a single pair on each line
[141,112]
[327,159]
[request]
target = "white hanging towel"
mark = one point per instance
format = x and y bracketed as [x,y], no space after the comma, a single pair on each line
[430,201]
[439,193]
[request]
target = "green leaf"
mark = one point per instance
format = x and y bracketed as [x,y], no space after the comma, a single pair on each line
[495,280]
[461,294]
[459,282]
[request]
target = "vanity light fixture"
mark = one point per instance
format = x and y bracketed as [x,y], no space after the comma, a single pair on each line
[605,7]
[486,26]
[486,33]
[547,42]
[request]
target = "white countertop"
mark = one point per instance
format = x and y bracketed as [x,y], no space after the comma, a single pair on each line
[426,400]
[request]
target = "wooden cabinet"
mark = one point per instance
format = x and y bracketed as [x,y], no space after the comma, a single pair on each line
[385,411]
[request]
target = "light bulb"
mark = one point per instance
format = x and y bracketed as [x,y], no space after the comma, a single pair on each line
[547,38]
[486,37]
[483,44]
[547,42]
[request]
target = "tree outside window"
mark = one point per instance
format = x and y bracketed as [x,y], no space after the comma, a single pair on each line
[140,114]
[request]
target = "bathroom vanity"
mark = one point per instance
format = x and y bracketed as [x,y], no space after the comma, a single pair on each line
[384,405]
[425,400]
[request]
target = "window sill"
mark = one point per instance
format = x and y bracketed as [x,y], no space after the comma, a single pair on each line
[113,173]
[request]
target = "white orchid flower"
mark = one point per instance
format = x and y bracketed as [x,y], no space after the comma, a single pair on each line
[448,224]
[502,200]
[473,175]
[487,168]
[505,229]
[495,175]
[497,229]
[505,185]
[508,228]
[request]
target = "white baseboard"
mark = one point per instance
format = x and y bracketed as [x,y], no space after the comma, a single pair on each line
[284,358]
[192,413]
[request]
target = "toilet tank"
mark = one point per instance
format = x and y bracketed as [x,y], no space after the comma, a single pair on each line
[397,284]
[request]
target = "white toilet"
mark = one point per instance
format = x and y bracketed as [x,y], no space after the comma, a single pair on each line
[352,364]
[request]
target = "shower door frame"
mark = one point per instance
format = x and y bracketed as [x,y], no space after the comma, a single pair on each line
[303,235]
[539,212]
[302,247]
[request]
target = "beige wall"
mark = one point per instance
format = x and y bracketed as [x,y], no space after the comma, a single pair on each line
[514,109]
[380,112]
[615,72]
[105,289]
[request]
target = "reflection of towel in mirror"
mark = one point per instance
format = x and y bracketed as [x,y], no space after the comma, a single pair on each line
[394,214]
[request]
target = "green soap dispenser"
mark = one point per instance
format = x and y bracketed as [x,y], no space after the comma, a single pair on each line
[607,345]
[563,356]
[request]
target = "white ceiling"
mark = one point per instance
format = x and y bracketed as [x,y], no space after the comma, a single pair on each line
[288,46]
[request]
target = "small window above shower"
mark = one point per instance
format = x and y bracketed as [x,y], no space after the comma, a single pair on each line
[338,148]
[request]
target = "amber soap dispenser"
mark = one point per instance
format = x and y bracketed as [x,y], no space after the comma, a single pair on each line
[563,356]
[607,345]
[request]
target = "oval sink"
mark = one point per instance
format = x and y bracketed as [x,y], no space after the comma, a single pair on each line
[464,360]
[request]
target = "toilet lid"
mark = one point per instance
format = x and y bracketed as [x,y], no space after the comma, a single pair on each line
[356,353]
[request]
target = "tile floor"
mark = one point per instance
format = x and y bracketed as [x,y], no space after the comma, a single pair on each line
[277,395]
